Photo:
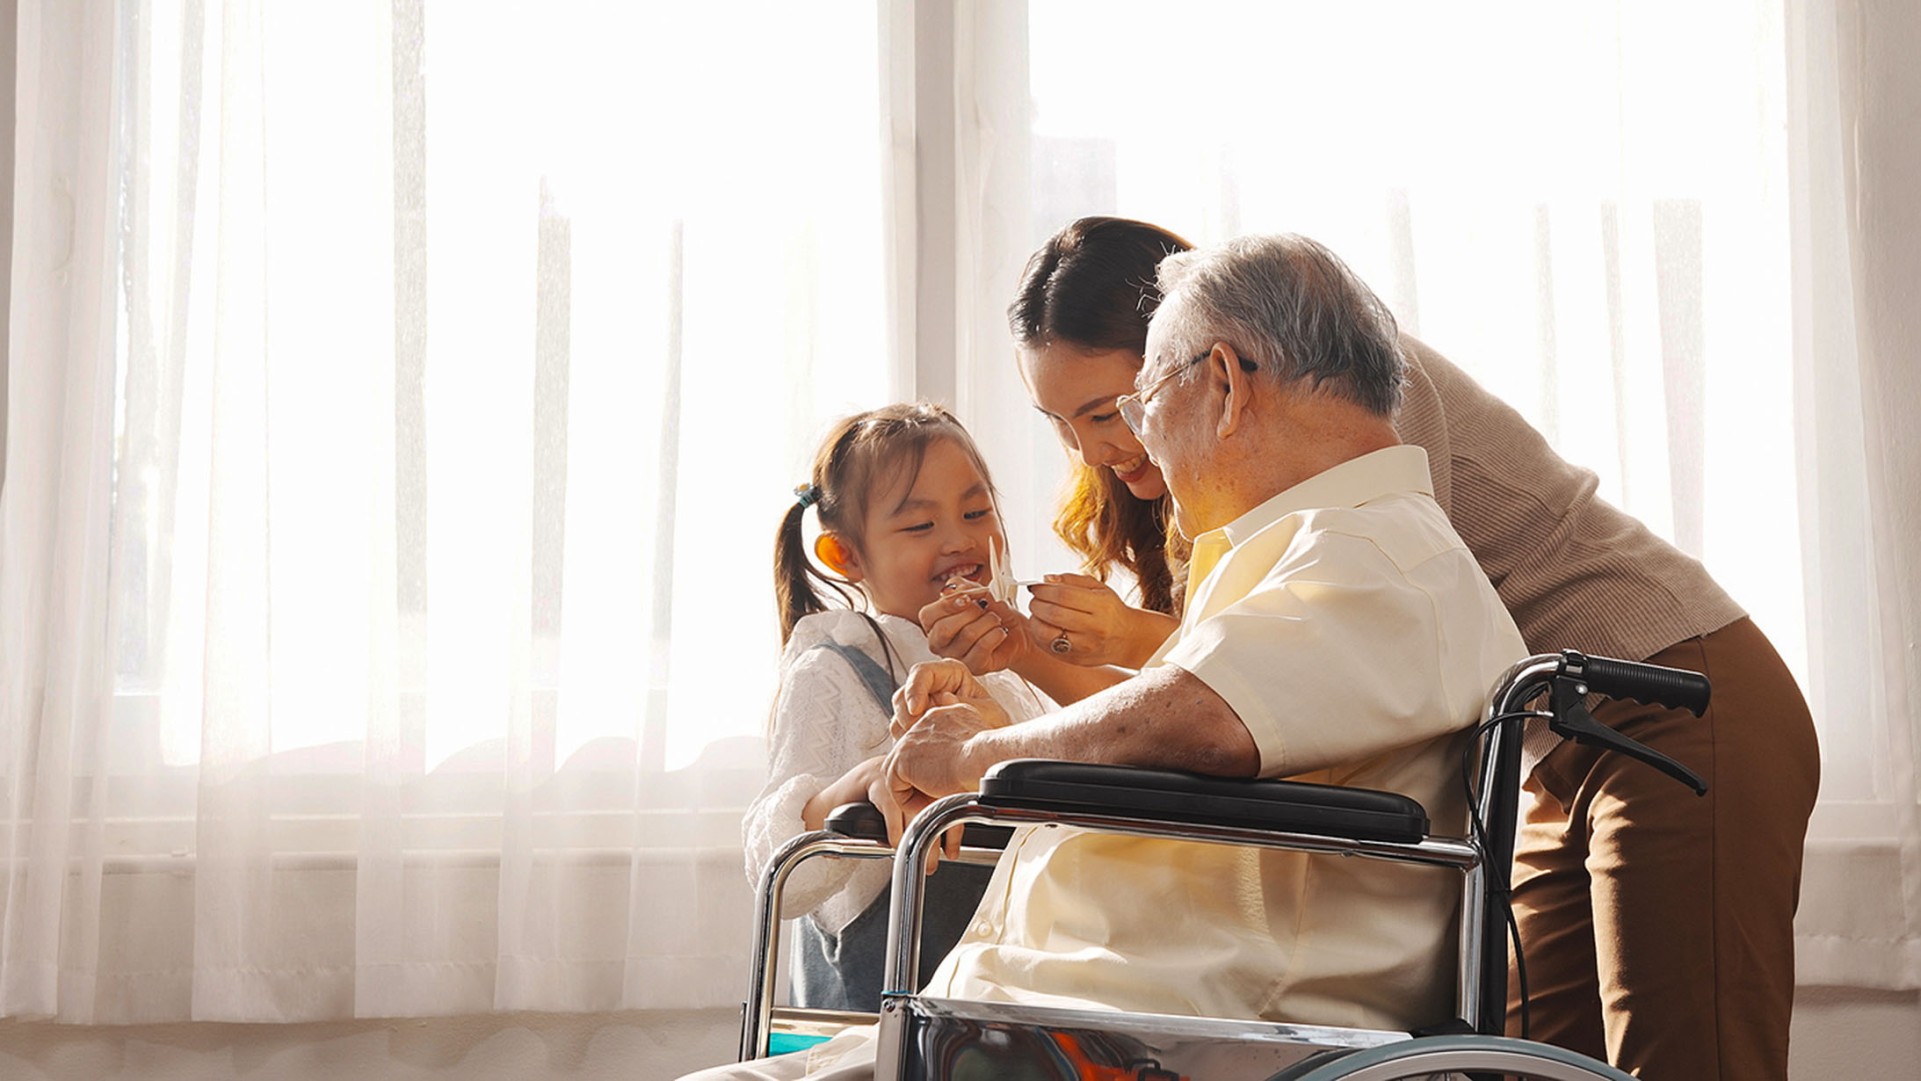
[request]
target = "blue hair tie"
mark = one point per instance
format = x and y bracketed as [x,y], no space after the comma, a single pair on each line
[808,494]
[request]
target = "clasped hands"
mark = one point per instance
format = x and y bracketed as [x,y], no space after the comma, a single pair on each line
[940,713]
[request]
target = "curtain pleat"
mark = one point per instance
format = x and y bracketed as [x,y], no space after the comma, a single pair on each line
[55,703]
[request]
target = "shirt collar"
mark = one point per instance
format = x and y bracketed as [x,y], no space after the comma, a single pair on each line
[1387,471]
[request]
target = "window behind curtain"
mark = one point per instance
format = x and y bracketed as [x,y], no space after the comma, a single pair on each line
[527,283]
[1584,206]
[467,356]
[1652,229]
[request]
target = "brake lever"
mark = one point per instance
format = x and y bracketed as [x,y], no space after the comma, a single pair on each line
[1569,718]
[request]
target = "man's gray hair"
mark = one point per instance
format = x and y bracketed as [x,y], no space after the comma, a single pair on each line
[1290,306]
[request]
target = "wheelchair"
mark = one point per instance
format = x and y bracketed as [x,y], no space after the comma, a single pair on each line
[924,1038]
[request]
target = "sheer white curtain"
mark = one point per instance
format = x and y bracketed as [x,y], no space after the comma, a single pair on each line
[403,396]
[1857,262]
[55,688]
[1679,238]
[400,396]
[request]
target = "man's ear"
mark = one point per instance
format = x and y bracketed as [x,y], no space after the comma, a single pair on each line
[1227,365]
[839,556]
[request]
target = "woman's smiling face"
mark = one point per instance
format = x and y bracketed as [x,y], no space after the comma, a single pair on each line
[1075,389]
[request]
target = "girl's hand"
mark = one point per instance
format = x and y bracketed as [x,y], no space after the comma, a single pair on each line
[857,785]
[1098,627]
[966,626]
[935,684]
[868,782]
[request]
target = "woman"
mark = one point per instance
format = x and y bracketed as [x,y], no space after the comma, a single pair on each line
[1657,928]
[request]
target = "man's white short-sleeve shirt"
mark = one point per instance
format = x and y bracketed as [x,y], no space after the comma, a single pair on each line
[1355,635]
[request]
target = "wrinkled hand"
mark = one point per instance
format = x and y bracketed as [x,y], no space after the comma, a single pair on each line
[966,625]
[942,683]
[933,757]
[938,709]
[1101,628]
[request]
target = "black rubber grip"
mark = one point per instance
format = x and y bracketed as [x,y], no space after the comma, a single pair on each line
[1673,687]
[863,821]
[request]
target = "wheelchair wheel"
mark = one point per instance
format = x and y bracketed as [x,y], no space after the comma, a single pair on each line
[1453,1054]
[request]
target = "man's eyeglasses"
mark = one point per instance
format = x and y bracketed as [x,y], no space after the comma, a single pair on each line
[1133,407]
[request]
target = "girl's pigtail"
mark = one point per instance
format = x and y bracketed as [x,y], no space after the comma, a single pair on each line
[794,595]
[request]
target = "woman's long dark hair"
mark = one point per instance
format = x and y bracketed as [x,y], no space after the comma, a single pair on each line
[1092,286]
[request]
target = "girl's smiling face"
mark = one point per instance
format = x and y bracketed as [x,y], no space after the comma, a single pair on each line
[1075,389]
[925,528]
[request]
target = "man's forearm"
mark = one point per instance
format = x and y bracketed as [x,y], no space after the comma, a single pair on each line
[1164,717]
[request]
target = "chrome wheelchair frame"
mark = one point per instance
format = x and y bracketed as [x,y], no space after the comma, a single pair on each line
[921,1037]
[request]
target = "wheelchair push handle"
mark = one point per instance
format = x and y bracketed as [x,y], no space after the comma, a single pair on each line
[1651,683]
[1580,675]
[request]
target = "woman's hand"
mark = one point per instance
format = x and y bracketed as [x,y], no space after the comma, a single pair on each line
[1098,627]
[985,635]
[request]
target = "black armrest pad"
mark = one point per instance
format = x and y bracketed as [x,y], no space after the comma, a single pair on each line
[1169,796]
[863,821]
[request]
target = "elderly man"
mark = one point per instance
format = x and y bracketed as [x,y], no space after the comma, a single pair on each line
[1337,630]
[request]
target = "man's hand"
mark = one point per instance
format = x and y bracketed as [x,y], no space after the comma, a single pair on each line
[930,761]
[938,756]
[942,683]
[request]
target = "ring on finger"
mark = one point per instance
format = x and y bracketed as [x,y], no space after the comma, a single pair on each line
[1060,644]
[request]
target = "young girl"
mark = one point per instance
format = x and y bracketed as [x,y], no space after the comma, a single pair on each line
[907,518]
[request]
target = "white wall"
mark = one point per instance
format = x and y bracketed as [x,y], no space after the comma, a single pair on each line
[1848,1032]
